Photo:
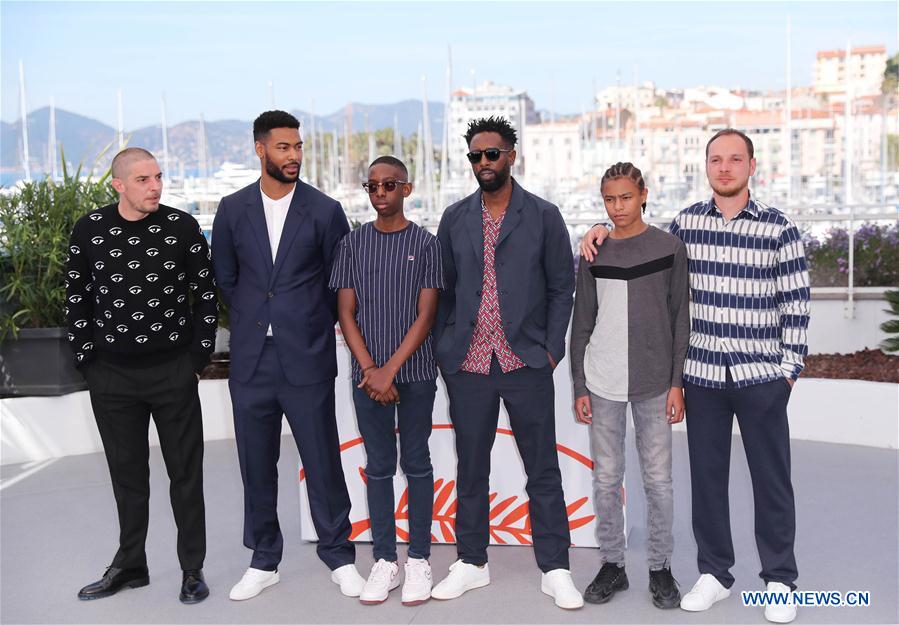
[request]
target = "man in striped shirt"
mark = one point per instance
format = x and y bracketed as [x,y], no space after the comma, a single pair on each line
[749,312]
[387,275]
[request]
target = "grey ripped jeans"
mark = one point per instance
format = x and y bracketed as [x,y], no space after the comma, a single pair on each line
[653,436]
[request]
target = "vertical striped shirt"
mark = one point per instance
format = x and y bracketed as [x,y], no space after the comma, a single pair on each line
[749,295]
[388,270]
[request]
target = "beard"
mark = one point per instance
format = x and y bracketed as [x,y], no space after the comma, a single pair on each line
[276,173]
[728,192]
[501,177]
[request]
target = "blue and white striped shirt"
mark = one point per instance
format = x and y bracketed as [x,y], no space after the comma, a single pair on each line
[749,295]
[388,270]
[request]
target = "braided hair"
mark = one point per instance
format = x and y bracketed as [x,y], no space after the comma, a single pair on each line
[624,170]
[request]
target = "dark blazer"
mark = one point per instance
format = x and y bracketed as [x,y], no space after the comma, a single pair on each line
[290,292]
[534,279]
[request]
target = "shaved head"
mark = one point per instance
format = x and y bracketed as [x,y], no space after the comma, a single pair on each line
[122,162]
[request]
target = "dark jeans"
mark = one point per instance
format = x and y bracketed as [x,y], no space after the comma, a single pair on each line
[377,426]
[761,411]
[123,397]
[474,409]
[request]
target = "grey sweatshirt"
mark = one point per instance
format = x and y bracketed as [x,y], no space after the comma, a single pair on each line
[631,325]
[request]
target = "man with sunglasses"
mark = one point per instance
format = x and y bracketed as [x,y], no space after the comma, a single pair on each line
[273,245]
[499,334]
[387,275]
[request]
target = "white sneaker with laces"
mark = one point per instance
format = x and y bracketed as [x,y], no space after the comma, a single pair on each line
[780,613]
[349,580]
[417,585]
[559,585]
[462,578]
[705,593]
[383,578]
[252,583]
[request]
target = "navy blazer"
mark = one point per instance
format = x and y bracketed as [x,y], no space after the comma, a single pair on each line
[534,279]
[289,292]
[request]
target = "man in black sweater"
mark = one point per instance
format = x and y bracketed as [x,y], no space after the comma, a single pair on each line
[142,315]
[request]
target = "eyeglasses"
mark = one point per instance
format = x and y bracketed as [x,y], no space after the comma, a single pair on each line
[389,186]
[492,154]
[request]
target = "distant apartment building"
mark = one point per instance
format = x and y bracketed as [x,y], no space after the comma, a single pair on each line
[555,155]
[631,97]
[485,100]
[864,70]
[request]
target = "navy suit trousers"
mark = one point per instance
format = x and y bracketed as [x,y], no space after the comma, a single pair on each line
[761,411]
[258,406]
[474,409]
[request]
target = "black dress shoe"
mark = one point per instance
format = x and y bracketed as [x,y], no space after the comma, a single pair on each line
[610,579]
[113,581]
[193,587]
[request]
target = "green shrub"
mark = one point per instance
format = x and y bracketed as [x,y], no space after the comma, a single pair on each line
[35,225]
[876,256]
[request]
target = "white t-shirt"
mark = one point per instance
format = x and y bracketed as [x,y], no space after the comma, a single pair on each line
[275,215]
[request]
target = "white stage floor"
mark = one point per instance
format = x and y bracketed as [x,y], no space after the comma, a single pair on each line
[59,532]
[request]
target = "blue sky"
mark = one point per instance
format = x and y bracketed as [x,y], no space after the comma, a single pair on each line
[217,58]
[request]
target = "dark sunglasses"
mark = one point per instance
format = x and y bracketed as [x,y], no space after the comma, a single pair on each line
[389,186]
[492,154]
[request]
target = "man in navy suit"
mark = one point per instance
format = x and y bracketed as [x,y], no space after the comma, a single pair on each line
[500,332]
[273,244]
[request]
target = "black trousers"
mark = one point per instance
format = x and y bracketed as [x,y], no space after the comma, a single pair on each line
[258,407]
[123,398]
[761,411]
[474,409]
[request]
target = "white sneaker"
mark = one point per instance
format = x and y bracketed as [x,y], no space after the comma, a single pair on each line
[780,613]
[252,583]
[462,577]
[705,593]
[382,579]
[349,580]
[417,585]
[558,585]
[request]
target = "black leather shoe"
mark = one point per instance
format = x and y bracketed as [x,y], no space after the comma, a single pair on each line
[193,587]
[663,587]
[610,579]
[113,581]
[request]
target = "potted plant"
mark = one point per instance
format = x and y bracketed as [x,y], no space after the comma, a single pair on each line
[35,224]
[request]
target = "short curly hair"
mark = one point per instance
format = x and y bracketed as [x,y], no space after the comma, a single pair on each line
[499,125]
[270,120]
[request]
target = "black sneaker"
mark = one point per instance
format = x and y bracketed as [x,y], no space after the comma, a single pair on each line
[663,587]
[610,579]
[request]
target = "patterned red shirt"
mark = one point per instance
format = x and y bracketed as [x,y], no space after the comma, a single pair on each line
[489,337]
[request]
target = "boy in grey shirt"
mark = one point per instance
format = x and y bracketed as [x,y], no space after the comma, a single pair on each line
[629,338]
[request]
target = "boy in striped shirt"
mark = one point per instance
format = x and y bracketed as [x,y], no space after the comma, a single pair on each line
[749,314]
[388,274]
